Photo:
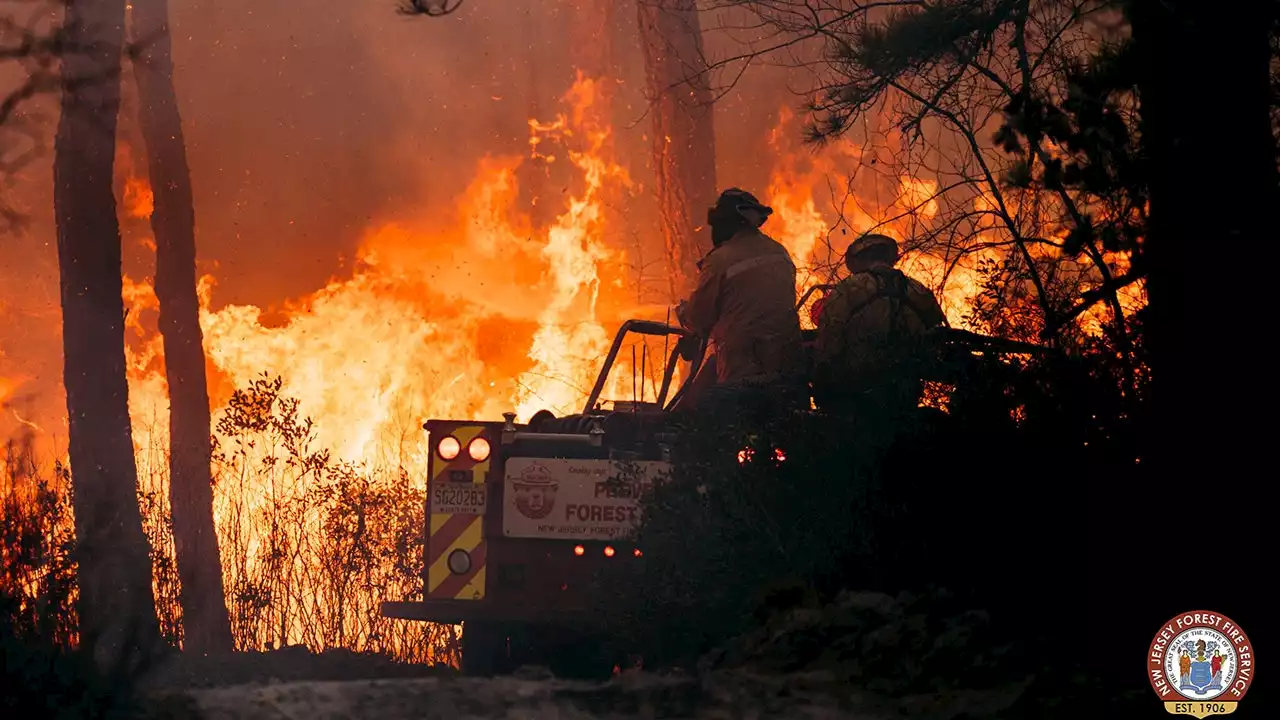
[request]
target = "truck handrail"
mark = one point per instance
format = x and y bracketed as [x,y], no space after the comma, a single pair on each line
[641,327]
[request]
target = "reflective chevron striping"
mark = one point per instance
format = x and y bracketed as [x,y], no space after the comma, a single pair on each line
[446,530]
[450,532]
[468,586]
[441,581]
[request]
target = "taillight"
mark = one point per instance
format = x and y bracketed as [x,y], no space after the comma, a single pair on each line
[449,447]
[608,551]
[746,455]
[579,550]
[478,449]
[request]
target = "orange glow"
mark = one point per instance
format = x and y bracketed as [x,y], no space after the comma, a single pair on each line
[8,387]
[579,550]
[638,553]
[139,201]
[608,551]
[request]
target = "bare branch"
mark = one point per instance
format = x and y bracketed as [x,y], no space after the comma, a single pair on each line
[430,8]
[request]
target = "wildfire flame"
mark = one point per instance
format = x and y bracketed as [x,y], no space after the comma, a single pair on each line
[404,337]
[491,313]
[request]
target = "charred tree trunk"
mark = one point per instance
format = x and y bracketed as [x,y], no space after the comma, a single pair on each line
[206,627]
[683,138]
[117,606]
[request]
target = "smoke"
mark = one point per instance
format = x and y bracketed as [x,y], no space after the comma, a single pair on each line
[310,126]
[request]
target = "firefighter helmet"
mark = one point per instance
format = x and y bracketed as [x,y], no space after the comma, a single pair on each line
[738,202]
[872,244]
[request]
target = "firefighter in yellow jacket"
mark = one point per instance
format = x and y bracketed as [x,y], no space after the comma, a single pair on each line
[874,334]
[745,302]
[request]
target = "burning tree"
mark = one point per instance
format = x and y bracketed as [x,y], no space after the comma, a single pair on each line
[684,155]
[996,104]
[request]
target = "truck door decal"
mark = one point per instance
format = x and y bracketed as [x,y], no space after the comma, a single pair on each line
[450,532]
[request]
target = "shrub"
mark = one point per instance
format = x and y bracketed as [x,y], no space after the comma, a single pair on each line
[310,545]
[42,673]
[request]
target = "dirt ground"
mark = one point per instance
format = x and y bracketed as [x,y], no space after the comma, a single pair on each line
[866,656]
[716,695]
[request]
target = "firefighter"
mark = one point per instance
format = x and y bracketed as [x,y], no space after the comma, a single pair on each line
[874,335]
[744,304]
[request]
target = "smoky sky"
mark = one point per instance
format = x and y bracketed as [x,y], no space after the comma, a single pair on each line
[309,124]
[306,126]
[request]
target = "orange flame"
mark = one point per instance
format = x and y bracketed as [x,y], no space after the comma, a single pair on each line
[139,200]
[403,338]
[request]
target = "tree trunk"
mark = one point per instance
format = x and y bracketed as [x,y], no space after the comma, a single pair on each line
[206,627]
[683,138]
[117,607]
[1212,208]
[1213,188]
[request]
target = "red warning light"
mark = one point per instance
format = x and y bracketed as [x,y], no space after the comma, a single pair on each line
[579,550]
[608,551]
[638,553]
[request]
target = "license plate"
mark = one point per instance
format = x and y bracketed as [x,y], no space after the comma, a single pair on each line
[458,498]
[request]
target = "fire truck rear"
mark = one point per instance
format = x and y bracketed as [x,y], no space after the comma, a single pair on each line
[521,522]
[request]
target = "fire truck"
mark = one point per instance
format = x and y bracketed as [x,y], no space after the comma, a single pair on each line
[522,518]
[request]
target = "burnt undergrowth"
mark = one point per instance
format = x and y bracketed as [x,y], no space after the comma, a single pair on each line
[909,555]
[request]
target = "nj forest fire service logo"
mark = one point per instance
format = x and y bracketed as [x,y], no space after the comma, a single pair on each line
[535,491]
[1200,663]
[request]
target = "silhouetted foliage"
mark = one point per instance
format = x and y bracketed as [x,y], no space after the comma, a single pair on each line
[983,501]
[42,669]
[1022,112]
[312,545]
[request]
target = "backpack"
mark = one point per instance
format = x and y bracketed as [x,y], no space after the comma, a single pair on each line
[902,348]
